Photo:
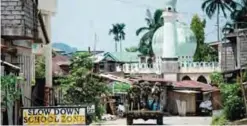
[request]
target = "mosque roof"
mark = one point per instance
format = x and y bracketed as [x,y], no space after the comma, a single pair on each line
[125,57]
[186,40]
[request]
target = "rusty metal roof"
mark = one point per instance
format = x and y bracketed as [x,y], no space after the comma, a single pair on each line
[194,85]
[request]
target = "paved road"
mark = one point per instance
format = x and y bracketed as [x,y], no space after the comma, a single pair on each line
[174,120]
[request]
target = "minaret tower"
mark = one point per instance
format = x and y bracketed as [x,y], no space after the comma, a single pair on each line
[169,56]
[165,43]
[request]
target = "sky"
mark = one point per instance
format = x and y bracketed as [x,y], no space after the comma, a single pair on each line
[76,21]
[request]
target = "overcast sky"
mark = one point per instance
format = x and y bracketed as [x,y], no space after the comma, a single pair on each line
[76,21]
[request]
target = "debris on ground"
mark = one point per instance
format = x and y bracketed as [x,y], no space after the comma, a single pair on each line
[108,117]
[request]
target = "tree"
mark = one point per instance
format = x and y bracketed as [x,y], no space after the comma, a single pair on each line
[239,15]
[40,67]
[10,92]
[239,18]
[203,51]
[82,83]
[216,6]
[233,103]
[118,31]
[153,23]
[131,49]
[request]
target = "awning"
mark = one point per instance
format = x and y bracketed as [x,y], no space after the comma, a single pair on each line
[9,64]
[186,91]
[115,78]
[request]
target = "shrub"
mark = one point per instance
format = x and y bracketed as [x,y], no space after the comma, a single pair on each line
[219,120]
[216,78]
[232,101]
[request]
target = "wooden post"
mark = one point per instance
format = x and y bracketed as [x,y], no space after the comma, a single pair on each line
[243,91]
[16,106]
[241,79]
[46,96]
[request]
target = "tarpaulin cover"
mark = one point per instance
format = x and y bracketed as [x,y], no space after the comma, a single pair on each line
[118,87]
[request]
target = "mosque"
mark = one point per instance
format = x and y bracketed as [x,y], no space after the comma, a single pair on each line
[174,45]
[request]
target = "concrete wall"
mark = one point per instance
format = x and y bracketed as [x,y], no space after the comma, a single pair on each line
[229,56]
[194,76]
[48,5]
[18,18]
[243,49]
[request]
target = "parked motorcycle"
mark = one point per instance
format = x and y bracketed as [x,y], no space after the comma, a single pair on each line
[120,110]
[206,108]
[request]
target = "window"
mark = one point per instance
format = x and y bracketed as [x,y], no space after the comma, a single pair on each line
[101,66]
[143,60]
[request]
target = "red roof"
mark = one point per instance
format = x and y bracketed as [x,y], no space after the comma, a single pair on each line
[194,84]
[56,62]
[151,79]
[60,58]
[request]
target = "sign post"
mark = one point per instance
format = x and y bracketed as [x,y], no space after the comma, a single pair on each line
[54,116]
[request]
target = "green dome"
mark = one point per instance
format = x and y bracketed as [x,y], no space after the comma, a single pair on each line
[186,41]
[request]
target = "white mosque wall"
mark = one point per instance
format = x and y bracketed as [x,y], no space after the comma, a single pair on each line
[186,65]
[194,77]
[198,67]
[142,68]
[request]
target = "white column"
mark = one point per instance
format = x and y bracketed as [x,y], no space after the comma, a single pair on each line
[48,53]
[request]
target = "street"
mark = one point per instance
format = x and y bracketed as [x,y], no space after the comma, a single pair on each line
[174,120]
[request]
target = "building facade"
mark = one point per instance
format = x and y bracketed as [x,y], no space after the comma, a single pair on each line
[174,45]
[19,26]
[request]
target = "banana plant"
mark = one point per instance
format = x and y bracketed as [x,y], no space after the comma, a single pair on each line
[10,92]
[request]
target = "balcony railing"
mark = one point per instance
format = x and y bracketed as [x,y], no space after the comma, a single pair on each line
[185,67]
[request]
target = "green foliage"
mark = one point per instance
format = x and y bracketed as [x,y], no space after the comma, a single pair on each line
[9,89]
[232,101]
[219,120]
[40,67]
[82,86]
[197,26]
[204,53]
[239,15]
[153,23]
[131,49]
[231,98]
[118,31]
[216,6]
[216,78]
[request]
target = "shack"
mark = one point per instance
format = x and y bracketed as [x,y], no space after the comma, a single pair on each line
[118,87]
[186,97]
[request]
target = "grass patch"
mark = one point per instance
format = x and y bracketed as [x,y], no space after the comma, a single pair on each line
[219,120]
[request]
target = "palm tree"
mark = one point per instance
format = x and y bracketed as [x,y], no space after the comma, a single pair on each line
[216,6]
[131,49]
[119,34]
[239,15]
[153,23]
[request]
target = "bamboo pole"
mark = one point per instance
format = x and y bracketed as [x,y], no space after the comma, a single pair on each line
[243,91]
[241,80]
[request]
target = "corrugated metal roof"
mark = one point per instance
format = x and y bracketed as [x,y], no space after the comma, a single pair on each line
[56,62]
[116,78]
[186,91]
[126,56]
[9,64]
[195,85]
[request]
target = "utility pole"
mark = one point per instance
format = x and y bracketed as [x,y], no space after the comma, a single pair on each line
[95,41]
